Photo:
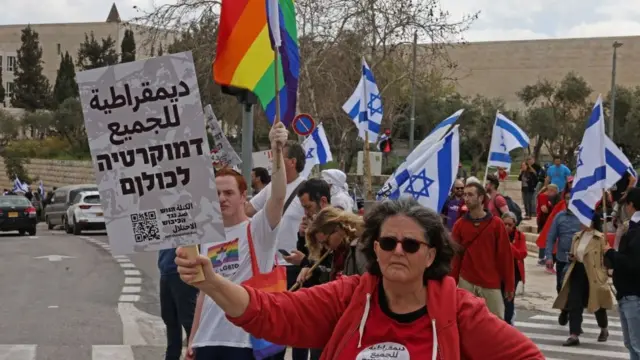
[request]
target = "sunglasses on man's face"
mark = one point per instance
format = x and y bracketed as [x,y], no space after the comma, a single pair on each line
[410,246]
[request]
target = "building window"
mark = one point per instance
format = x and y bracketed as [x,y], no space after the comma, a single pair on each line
[59,49]
[11,63]
[9,90]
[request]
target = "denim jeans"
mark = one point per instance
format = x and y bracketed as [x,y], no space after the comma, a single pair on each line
[629,307]
[561,270]
[177,306]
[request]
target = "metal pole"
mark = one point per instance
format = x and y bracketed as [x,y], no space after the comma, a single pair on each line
[412,121]
[247,142]
[616,45]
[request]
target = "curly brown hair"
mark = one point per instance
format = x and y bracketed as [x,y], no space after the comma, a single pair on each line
[328,221]
[434,232]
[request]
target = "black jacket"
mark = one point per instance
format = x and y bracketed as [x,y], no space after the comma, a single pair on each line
[626,263]
[321,273]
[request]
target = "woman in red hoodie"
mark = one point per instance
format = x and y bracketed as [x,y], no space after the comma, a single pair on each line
[519,252]
[404,307]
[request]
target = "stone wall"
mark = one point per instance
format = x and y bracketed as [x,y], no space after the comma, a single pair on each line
[53,173]
[68,172]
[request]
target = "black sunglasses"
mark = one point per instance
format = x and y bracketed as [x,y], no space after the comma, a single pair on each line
[410,246]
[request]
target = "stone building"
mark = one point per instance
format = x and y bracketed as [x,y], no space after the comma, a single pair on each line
[55,39]
[501,68]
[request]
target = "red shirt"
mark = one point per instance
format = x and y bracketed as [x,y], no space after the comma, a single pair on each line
[386,338]
[487,261]
[496,203]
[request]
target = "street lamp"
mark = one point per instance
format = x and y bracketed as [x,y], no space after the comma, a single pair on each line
[616,45]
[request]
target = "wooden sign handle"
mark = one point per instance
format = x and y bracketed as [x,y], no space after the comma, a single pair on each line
[192,254]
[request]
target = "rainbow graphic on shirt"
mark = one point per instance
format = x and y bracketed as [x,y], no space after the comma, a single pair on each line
[223,253]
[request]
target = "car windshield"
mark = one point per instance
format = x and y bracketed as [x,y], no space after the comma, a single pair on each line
[14,201]
[92,199]
[75,192]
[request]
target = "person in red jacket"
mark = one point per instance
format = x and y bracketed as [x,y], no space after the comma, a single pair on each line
[382,313]
[519,251]
[486,263]
[545,203]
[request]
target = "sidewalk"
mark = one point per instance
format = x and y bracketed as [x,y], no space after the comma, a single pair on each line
[539,292]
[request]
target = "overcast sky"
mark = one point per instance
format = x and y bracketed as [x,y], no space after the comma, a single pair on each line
[499,19]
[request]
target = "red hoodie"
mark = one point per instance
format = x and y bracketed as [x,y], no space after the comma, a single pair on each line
[329,316]
[487,261]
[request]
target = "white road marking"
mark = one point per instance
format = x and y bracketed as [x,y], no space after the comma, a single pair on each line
[127,265]
[52,306]
[581,351]
[530,325]
[561,338]
[17,352]
[584,321]
[129,298]
[33,237]
[123,260]
[111,352]
[132,273]
[140,328]
[131,289]
[132,281]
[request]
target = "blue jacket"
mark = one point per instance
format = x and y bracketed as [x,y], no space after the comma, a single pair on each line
[564,227]
[167,262]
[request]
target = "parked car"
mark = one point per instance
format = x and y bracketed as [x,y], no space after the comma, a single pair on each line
[56,210]
[85,213]
[17,214]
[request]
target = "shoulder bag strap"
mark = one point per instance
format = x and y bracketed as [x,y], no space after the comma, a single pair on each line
[292,196]
[255,269]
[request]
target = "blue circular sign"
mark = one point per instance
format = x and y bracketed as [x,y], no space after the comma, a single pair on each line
[303,124]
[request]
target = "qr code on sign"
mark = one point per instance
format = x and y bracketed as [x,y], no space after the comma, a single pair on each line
[145,226]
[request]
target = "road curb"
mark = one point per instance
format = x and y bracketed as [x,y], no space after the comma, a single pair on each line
[132,286]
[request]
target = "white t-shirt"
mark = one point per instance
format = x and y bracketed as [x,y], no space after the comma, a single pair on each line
[290,223]
[231,259]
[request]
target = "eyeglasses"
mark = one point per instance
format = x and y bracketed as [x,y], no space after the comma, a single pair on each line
[410,246]
[460,188]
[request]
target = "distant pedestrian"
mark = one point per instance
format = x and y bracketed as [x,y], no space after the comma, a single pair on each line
[519,251]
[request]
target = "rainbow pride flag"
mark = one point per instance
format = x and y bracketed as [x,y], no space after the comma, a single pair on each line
[244,57]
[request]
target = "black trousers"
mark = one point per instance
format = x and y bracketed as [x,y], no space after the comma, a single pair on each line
[223,353]
[578,299]
[177,306]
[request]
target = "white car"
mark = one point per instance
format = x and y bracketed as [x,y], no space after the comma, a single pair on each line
[84,213]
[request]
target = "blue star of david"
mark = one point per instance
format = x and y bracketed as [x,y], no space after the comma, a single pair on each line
[426,182]
[502,144]
[370,105]
[579,162]
[310,153]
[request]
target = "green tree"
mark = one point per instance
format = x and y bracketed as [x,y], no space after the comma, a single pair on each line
[93,54]
[557,114]
[128,47]
[32,90]
[626,123]
[2,92]
[14,159]
[68,123]
[66,86]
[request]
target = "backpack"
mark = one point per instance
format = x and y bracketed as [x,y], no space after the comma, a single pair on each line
[513,207]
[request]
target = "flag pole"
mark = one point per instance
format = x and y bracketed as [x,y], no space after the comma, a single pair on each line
[486,170]
[365,153]
[276,61]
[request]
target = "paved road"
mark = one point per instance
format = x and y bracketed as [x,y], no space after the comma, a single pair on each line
[544,330]
[93,306]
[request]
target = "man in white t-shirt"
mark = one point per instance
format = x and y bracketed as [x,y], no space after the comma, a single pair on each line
[294,160]
[213,337]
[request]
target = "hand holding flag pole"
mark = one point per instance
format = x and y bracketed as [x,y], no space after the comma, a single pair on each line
[273,14]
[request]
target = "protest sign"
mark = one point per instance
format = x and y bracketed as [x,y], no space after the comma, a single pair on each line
[263,159]
[150,154]
[222,153]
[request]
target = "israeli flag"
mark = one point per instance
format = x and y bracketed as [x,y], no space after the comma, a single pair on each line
[591,168]
[430,178]
[41,189]
[364,106]
[316,146]
[617,163]
[434,136]
[506,137]
[19,186]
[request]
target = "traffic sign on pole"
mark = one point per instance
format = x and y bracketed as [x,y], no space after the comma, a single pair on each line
[303,124]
